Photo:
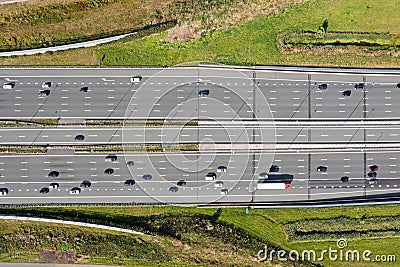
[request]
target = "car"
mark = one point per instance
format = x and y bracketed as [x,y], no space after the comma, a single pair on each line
[204,92]
[129,182]
[359,86]
[373,181]
[344,179]
[221,169]
[44,191]
[79,137]
[3,191]
[211,176]
[46,84]
[147,177]
[54,185]
[44,92]
[322,86]
[111,158]
[263,175]
[181,183]
[53,174]
[136,79]
[274,168]
[322,169]
[9,85]
[86,184]
[130,163]
[398,86]
[109,171]
[372,175]
[218,184]
[373,168]
[84,89]
[224,191]
[346,93]
[75,191]
[173,189]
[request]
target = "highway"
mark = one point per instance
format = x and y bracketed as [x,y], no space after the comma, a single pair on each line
[173,94]
[243,107]
[26,175]
[190,135]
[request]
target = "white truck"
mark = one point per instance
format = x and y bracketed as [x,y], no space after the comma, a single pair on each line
[274,185]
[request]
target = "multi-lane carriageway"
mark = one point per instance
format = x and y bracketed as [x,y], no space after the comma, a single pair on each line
[247,107]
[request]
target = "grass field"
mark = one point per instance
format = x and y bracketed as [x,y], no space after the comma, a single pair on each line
[251,43]
[268,226]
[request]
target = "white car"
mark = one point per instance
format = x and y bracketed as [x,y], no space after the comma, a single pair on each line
[221,169]
[136,79]
[54,185]
[224,191]
[219,184]
[75,191]
[263,175]
[9,85]
[46,85]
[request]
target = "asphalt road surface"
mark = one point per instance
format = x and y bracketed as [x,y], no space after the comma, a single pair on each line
[174,93]
[190,135]
[24,176]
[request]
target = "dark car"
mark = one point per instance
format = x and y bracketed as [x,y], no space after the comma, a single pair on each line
[44,92]
[86,184]
[3,191]
[322,169]
[129,182]
[53,174]
[344,179]
[372,175]
[359,86]
[173,189]
[322,86]
[398,85]
[111,158]
[79,137]
[204,92]
[181,183]
[346,93]
[147,177]
[274,168]
[84,89]
[44,191]
[130,163]
[109,171]
[373,168]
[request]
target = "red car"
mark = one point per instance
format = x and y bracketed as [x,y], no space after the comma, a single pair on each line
[373,168]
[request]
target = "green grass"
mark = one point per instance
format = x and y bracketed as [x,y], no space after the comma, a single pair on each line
[252,43]
[265,225]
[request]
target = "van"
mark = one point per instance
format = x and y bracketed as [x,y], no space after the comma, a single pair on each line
[136,79]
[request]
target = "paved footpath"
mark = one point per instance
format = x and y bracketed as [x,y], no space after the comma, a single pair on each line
[98,226]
